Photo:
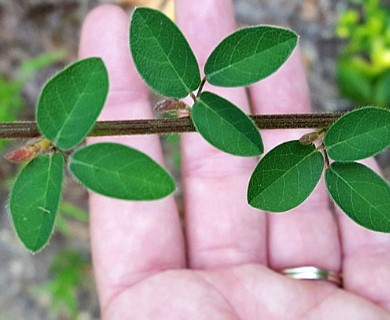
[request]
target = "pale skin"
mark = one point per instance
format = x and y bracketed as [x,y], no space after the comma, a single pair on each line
[224,264]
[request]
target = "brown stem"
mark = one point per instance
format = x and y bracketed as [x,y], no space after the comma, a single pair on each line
[326,157]
[201,87]
[20,130]
[193,96]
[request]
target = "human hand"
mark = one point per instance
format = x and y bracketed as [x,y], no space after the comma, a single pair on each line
[224,266]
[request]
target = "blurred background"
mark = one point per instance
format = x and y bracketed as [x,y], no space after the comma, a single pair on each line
[346,50]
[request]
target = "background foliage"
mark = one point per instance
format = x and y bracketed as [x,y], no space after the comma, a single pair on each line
[363,68]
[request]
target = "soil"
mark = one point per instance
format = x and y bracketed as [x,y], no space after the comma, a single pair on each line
[30,28]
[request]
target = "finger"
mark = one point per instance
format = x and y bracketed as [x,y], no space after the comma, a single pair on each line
[306,235]
[221,229]
[130,240]
[366,258]
[255,292]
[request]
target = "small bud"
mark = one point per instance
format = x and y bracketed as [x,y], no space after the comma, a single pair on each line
[29,151]
[172,107]
[19,155]
[309,138]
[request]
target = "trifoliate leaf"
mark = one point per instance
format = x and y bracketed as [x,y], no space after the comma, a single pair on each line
[285,177]
[358,134]
[249,55]
[225,126]
[361,194]
[34,200]
[71,102]
[162,55]
[118,171]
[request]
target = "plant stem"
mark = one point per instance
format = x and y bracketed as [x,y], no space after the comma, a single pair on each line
[203,82]
[28,129]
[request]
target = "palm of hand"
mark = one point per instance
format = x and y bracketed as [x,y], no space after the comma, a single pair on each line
[241,293]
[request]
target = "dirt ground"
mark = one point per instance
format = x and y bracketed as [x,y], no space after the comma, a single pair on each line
[30,28]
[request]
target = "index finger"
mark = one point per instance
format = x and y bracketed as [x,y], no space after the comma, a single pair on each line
[124,233]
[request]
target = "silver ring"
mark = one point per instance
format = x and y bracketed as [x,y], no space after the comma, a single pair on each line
[313,273]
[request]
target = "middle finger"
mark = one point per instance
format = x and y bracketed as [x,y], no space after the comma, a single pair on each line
[221,229]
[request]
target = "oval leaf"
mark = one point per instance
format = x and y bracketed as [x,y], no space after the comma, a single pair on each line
[162,55]
[359,134]
[71,102]
[249,55]
[34,200]
[361,194]
[285,177]
[225,126]
[118,171]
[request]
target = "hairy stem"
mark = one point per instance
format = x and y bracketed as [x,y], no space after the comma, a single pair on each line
[20,130]
[203,82]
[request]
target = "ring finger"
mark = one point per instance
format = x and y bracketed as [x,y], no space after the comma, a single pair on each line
[308,234]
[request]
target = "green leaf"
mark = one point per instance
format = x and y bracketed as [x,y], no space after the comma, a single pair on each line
[361,194]
[71,211]
[249,55]
[382,90]
[71,102]
[30,67]
[359,134]
[352,82]
[225,126]
[162,55]
[285,177]
[34,200]
[118,171]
